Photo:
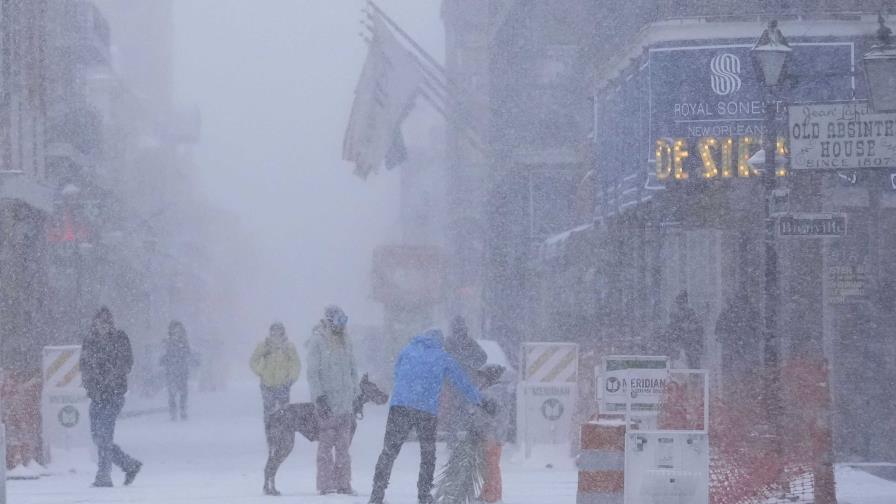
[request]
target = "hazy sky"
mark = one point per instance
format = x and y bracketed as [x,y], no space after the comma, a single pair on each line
[274,80]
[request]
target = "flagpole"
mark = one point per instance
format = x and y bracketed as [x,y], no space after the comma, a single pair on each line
[428,57]
[442,92]
[467,125]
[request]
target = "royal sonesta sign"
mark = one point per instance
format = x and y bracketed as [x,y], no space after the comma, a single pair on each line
[707,108]
[841,136]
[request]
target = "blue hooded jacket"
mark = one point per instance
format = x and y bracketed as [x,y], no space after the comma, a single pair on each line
[421,370]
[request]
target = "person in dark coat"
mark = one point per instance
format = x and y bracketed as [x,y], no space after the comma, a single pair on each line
[177,360]
[470,355]
[420,371]
[685,333]
[740,336]
[106,360]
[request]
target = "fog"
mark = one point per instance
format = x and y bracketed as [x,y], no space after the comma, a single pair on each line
[631,251]
[274,81]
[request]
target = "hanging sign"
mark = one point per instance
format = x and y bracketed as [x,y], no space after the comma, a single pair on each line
[841,136]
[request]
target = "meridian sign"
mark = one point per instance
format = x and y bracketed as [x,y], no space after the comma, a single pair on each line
[841,136]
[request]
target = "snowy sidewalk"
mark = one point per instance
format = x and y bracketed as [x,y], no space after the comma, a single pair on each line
[218,457]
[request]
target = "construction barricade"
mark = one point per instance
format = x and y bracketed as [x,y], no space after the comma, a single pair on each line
[547,394]
[66,424]
[762,460]
[632,454]
[601,462]
[20,398]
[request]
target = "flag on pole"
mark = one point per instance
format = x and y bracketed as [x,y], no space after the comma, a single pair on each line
[385,94]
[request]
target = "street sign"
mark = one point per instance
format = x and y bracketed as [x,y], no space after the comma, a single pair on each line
[841,136]
[812,225]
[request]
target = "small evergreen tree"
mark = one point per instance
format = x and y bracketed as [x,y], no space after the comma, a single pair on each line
[460,481]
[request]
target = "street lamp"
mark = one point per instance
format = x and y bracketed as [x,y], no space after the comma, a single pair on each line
[770,55]
[880,70]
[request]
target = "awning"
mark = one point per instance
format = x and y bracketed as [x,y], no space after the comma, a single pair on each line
[554,246]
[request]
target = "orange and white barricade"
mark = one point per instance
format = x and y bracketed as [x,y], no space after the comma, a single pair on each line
[601,463]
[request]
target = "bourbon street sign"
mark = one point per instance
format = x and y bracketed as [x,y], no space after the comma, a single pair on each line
[841,136]
[812,225]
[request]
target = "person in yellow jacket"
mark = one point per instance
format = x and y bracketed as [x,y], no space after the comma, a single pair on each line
[276,362]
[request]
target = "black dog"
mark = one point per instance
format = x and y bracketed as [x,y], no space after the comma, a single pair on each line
[283,423]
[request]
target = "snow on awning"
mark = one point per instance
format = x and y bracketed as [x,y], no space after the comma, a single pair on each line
[553,246]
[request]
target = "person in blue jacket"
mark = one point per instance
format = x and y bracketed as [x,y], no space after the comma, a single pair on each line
[420,371]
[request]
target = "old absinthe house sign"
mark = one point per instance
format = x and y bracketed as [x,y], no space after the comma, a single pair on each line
[841,136]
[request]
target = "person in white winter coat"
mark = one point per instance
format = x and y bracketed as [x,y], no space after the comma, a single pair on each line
[333,382]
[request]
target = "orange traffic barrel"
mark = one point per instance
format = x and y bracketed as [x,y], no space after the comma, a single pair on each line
[601,463]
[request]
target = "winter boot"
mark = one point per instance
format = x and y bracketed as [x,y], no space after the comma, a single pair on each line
[102,482]
[377,496]
[131,474]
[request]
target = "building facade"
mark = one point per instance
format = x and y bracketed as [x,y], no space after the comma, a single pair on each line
[519,144]
[617,177]
[97,205]
[679,112]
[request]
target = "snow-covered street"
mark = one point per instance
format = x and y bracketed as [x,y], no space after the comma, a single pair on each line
[218,457]
[219,454]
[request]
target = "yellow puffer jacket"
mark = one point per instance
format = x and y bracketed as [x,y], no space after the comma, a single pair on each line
[276,363]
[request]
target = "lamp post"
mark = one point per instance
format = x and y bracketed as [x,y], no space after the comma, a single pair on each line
[880,70]
[770,55]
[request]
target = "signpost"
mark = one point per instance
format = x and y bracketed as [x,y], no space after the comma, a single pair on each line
[812,225]
[841,136]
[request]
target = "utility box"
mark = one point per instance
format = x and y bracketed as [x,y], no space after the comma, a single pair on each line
[672,466]
[666,467]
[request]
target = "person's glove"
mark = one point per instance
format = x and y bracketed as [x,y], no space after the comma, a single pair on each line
[489,406]
[323,407]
